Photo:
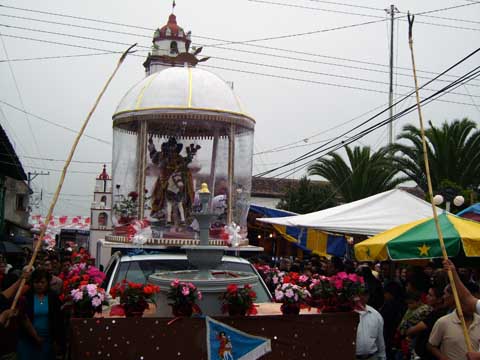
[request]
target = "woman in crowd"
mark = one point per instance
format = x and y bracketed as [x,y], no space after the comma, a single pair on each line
[43,323]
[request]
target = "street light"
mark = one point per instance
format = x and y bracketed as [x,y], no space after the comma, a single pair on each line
[457,201]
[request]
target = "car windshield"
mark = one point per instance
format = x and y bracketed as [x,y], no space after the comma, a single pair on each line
[139,271]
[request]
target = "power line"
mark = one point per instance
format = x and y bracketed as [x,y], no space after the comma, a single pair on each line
[146,36]
[246,42]
[57,57]
[357,136]
[319,82]
[242,71]
[358,14]
[309,154]
[55,124]
[19,94]
[62,160]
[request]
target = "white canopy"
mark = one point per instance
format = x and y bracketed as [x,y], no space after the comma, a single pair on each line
[367,216]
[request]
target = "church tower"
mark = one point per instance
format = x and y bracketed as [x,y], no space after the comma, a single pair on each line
[101,210]
[171,47]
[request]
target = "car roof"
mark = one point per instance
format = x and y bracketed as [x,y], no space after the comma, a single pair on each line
[126,258]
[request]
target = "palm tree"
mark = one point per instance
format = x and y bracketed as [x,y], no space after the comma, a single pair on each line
[366,174]
[453,153]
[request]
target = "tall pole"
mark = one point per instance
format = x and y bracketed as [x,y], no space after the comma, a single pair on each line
[391,12]
[430,189]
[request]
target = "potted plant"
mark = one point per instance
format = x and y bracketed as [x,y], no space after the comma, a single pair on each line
[87,300]
[183,296]
[239,301]
[336,293]
[127,209]
[292,297]
[134,297]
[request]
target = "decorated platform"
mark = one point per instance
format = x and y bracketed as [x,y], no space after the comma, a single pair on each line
[291,337]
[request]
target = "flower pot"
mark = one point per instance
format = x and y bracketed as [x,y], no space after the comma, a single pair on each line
[133,310]
[84,313]
[290,309]
[235,310]
[185,310]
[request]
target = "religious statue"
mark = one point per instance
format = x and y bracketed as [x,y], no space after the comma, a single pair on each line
[173,189]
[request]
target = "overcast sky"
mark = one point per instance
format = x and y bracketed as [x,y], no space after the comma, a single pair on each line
[318,81]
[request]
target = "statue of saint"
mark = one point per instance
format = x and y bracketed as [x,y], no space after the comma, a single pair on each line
[173,189]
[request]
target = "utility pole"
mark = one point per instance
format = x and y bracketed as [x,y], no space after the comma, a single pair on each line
[30,177]
[392,11]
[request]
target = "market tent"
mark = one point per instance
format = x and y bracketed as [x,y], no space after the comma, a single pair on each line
[318,242]
[472,212]
[367,216]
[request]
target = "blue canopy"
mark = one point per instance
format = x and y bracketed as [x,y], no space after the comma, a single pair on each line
[475,208]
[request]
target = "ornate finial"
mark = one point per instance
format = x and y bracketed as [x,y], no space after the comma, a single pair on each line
[204,189]
[173,6]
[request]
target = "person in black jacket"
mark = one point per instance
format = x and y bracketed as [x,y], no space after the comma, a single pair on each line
[43,322]
[392,312]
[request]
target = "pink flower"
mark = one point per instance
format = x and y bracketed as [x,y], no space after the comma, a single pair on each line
[289,293]
[338,284]
[92,290]
[278,295]
[200,296]
[175,283]
[191,286]
[77,294]
[303,278]
[342,275]
[185,291]
[275,280]
[96,302]
[353,277]
[360,278]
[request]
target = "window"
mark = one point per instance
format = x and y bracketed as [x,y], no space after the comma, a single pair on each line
[21,202]
[104,199]
[102,219]
[173,47]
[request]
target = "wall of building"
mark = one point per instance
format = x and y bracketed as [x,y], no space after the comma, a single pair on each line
[16,202]
[264,201]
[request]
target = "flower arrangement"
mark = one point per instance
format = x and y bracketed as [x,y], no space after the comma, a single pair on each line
[239,301]
[127,208]
[134,298]
[338,292]
[292,297]
[87,300]
[80,273]
[183,296]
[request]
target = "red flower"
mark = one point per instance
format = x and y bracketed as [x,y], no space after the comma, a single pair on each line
[85,277]
[83,283]
[232,288]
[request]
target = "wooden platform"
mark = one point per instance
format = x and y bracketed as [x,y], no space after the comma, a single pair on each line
[322,336]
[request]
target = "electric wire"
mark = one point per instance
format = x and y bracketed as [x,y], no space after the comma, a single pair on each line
[397,102]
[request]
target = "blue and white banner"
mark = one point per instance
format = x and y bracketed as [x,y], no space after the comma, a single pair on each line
[227,343]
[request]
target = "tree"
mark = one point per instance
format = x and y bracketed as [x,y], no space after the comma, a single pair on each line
[307,197]
[453,153]
[364,175]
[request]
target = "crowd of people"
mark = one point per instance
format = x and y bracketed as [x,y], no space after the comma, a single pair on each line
[37,327]
[408,312]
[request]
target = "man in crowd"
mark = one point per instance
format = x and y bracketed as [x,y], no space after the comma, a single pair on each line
[370,344]
[469,302]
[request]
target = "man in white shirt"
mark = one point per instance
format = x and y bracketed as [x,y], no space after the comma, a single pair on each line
[468,301]
[370,344]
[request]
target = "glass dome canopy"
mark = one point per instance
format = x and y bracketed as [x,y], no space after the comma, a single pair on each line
[174,130]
